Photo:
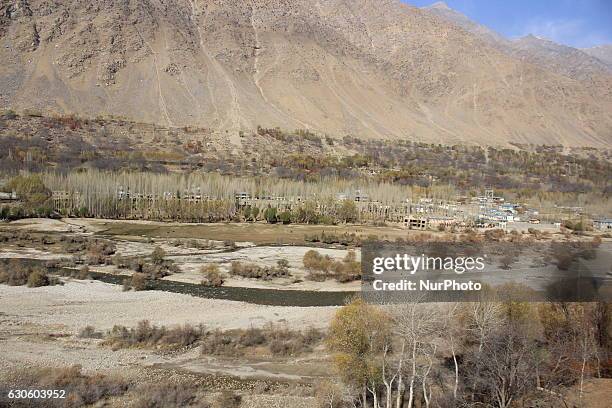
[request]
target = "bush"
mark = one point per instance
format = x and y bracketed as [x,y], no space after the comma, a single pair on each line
[285,217]
[147,335]
[155,270]
[89,332]
[83,273]
[139,281]
[258,272]
[495,234]
[19,273]
[158,255]
[162,395]
[270,215]
[348,212]
[227,399]
[323,267]
[252,337]
[37,279]
[81,389]
[277,340]
[314,261]
[212,275]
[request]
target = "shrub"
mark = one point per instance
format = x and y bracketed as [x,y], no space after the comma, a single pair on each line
[89,332]
[147,335]
[252,337]
[81,390]
[278,340]
[212,275]
[227,399]
[156,270]
[19,273]
[258,272]
[270,215]
[348,211]
[83,273]
[158,255]
[285,217]
[495,234]
[162,395]
[314,261]
[323,267]
[37,279]
[139,281]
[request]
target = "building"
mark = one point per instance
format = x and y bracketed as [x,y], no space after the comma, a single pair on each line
[8,196]
[415,223]
[604,224]
[428,222]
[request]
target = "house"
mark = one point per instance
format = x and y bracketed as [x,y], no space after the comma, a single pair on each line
[415,223]
[604,224]
[242,196]
[361,197]
[8,196]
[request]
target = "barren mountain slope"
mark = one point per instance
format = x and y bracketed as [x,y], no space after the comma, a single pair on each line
[571,62]
[362,67]
[602,52]
[567,61]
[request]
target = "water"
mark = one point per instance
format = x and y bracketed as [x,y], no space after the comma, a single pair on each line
[271,297]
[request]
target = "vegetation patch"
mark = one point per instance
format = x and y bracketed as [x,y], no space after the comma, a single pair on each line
[249,270]
[81,389]
[270,340]
[17,273]
[323,267]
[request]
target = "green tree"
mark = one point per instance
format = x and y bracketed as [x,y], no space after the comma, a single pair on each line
[357,336]
[270,215]
[30,189]
[285,217]
[247,212]
[348,211]
[255,213]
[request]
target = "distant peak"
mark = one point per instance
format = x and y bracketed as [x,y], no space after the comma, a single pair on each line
[531,37]
[440,5]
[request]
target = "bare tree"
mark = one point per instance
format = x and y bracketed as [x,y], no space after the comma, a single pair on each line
[415,324]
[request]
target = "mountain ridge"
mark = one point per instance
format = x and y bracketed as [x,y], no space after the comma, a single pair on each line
[365,68]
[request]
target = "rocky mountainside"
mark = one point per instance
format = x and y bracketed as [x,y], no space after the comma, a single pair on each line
[368,68]
[573,63]
[602,52]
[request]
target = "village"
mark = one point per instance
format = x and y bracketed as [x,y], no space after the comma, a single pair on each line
[483,211]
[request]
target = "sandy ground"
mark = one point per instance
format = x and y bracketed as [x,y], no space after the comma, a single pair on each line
[30,253]
[189,258]
[39,327]
[48,225]
[263,256]
[81,303]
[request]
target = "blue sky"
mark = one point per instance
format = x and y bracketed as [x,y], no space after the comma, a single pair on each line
[578,23]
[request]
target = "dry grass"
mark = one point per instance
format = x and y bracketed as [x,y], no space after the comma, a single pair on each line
[81,389]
